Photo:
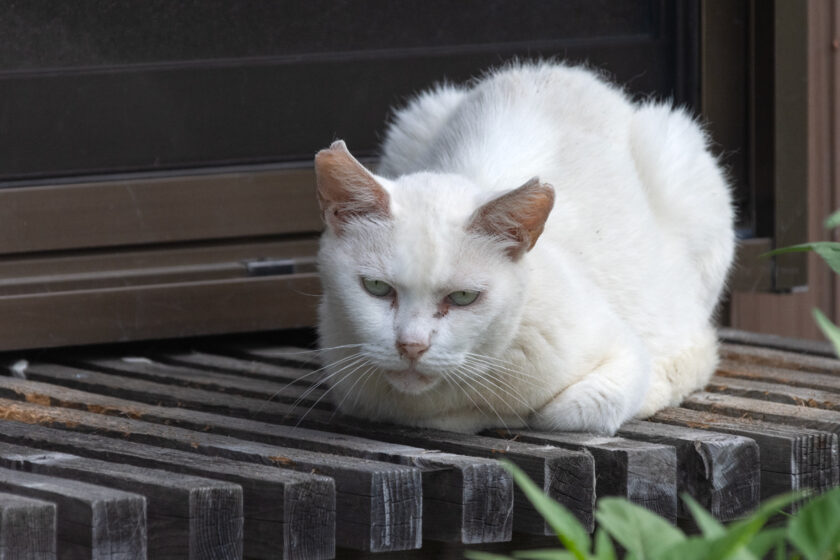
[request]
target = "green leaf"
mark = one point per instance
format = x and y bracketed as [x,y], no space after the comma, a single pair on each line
[642,533]
[815,530]
[709,526]
[832,221]
[766,541]
[604,549]
[568,529]
[479,555]
[544,554]
[829,329]
[828,250]
[740,534]
[693,548]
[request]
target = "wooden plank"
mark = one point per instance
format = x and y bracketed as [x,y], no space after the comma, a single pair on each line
[151,210]
[465,499]
[205,361]
[158,311]
[567,476]
[644,473]
[186,516]
[720,471]
[826,420]
[779,358]
[287,514]
[775,392]
[284,389]
[269,353]
[93,521]
[27,528]
[792,458]
[577,496]
[819,381]
[776,342]
[378,505]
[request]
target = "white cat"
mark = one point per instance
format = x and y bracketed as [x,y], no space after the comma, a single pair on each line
[535,250]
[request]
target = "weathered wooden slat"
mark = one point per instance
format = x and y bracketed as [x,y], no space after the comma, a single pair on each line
[772,341]
[27,528]
[465,499]
[577,497]
[186,516]
[793,415]
[793,378]
[644,473]
[270,354]
[720,471]
[156,392]
[134,368]
[792,457]
[775,392]
[761,356]
[287,514]
[567,476]
[378,505]
[93,521]
[238,366]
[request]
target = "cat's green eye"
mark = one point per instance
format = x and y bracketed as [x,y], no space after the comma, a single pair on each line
[377,288]
[463,297]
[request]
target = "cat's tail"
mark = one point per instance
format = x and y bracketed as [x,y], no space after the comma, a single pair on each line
[414,127]
[687,190]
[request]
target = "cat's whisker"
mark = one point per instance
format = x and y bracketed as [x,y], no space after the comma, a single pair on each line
[489,404]
[499,364]
[363,375]
[314,385]
[358,359]
[496,389]
[499,383]
[521,376]
[361,390]
[450,376]
[347,374]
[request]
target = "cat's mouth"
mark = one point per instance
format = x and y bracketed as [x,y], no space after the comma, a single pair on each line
[410,381]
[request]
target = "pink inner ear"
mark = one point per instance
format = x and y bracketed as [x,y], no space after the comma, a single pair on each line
[346,189]
[519,216]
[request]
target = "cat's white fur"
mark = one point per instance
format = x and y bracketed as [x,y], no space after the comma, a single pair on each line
[607,317]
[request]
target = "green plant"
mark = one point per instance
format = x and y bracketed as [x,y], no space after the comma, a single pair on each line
[829,251]
[812,534]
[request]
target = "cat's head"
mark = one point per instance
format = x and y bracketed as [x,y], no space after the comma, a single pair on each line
[425,272]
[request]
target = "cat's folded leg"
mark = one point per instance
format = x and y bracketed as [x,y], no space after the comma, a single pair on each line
[604,398]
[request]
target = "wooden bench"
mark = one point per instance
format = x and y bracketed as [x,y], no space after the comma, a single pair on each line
[221,449]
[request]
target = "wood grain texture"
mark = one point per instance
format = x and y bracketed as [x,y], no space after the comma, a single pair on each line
[187,517]
[378,505]
[792,457]
[766,411]
[27,528]
[779,358]
[644,473]
[819,381]
[720,471]
[748,339]
[93,521]
[287,514]
[465,499]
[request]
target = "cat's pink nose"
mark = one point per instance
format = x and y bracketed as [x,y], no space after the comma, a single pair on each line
[411,350]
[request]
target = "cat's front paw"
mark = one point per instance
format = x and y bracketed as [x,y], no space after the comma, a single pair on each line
[581,408]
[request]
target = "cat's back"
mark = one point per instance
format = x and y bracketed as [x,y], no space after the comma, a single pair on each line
[517,113]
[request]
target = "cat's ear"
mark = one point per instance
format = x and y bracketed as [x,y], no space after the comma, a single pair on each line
[518,216]
[346,189]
